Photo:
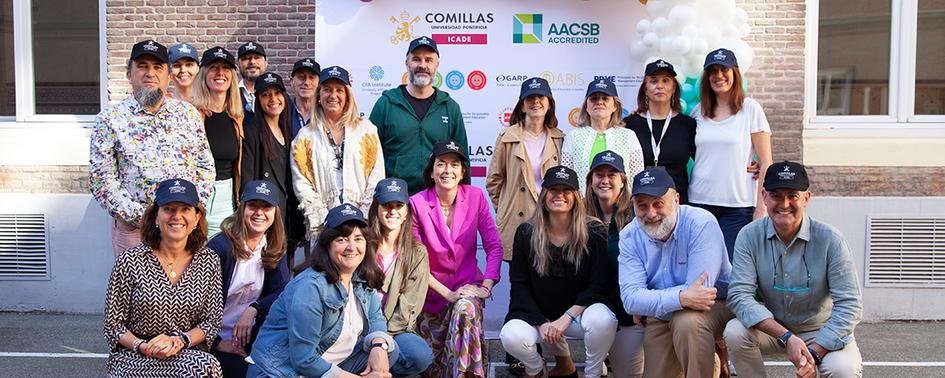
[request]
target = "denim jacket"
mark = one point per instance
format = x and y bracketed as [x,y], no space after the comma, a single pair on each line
[306,320]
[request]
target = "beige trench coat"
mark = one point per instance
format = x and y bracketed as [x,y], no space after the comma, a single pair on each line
[510,180]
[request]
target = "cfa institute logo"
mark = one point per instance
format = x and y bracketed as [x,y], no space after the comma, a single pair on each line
[403,31]
[376,73]
[455,80]
[526,28]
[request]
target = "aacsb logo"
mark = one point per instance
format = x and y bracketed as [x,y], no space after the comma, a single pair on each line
[526,28]
[455,80]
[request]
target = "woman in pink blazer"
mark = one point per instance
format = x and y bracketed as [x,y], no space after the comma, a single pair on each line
[448,216]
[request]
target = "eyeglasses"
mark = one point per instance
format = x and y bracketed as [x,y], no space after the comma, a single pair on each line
[788,289]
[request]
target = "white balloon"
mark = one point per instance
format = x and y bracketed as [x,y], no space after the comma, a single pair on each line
[658,7]
[699,48]
[729,31]
[740,16]
[651,39]
[744,30]
[690,31]
[638,51]
[660,25]
[682,44]
[710,33]
[643,26]
[743,53]
[666,45]
[682,15]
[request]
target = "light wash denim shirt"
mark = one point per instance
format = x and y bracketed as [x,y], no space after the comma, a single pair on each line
[653,272]
[307,319]
[817,286]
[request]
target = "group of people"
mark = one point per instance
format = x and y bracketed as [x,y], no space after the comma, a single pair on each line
[213,184]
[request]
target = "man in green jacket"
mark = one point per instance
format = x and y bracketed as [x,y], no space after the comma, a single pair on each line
[411,118]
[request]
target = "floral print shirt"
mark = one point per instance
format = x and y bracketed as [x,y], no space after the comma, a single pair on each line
[132,151]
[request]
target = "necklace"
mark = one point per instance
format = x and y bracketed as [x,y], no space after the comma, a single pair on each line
[533,136]
[337,148]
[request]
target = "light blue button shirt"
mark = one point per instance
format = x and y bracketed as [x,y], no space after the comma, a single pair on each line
[653,272]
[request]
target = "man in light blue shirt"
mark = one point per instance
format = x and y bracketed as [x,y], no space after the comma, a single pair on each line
[674,274]
[803,271]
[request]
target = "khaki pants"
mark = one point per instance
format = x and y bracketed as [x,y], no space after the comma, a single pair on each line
[685,345]
[746,345]
[124,236]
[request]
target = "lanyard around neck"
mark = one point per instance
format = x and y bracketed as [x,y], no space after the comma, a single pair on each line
[653,142]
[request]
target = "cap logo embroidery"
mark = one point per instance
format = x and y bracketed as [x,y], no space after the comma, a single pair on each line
[646,179]
[786,174]
[661,63]
[270,79]
[393,187]
[334,71]
[601,84]
[150,46]
[425,41]
[219,53]
[452,146]
[184,49]
[262,189]
[250,46]
[177,188]
[348,210]
[609,157]
[562,174]
[535,84]
[308,63]
[719,55]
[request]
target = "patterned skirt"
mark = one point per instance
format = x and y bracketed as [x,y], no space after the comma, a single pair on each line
[188,363]
[457,339]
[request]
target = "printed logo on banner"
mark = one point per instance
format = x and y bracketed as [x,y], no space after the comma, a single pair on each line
[376,72]
[476,80]
[564,79]
[505,117]
[510,80]
[526,28]
[455,80]
[573,116]
[437,79]
[465,24]
[403,28]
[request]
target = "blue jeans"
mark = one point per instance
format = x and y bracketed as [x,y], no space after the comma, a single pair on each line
[411,357]
[731,220]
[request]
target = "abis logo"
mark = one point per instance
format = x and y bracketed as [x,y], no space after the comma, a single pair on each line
[403,32]
[526,28]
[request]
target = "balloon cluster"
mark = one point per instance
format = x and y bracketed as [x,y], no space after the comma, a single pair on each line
[682,32]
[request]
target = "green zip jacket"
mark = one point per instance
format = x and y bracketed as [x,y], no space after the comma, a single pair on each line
[407,139]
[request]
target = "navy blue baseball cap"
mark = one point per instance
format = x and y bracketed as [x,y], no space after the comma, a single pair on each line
[391,189]
[653,181]
[607,157]
[334,73]
[149,47]
[602,85]
[344,213]
[306,64]
[560,175]
[181,51]
[216,53]
[724,57]
[176,190]
[535,85]
[659,65]
[267,80]
[423,41]
[260,190]
[250,47]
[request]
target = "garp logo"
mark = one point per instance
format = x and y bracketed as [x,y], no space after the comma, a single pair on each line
[403,31]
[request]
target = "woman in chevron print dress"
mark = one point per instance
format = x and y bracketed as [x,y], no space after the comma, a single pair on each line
[164,299]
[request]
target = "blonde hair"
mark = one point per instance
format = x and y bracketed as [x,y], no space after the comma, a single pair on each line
[624,213]
[584,118]
[576,248]
[350,116]
[233,106]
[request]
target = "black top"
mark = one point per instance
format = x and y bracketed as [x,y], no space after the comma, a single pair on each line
[223,144]
[612,290]
[675,151]
[535,299]
[420,105]
[256,165]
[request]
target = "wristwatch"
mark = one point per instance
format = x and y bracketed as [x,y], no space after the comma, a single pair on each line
[383,346]
[784,339]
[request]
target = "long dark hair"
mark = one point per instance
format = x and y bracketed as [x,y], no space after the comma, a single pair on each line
[643,103]
[320,259]
[518,114]
[151,234]
[285,126]
[234,227]
[408,248]
[707,95]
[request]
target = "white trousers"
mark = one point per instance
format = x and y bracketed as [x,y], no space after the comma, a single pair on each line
[597,326]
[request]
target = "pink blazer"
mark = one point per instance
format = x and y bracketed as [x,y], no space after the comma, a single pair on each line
[453,252]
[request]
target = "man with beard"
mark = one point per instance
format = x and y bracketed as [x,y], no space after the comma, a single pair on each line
[411,118]
[803,271]
[252,62]
[143,140]
[304,82]
[674,273]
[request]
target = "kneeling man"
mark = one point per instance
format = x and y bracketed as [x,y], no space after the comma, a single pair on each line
[674,270]
[803,272]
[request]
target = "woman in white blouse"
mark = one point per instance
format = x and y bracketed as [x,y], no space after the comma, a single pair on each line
[337,158]
[600,129]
